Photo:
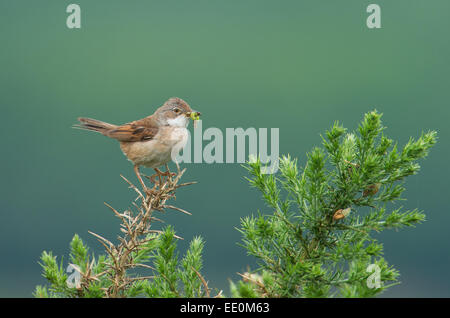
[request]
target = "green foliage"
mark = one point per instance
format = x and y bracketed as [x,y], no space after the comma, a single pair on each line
[63,279]
[317,241]
[85,277]
[172,273]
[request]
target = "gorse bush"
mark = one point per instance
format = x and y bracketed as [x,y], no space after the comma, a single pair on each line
[87,277]
[315,240]
[139,246]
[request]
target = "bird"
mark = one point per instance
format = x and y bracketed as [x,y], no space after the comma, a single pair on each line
[152,141]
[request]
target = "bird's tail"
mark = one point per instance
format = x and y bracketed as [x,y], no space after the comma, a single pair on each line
[94,125]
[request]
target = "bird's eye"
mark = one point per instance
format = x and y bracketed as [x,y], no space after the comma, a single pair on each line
[176,110]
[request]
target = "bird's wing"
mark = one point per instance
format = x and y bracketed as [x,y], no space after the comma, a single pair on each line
[140,130]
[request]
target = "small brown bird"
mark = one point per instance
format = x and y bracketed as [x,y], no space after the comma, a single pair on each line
[152,141]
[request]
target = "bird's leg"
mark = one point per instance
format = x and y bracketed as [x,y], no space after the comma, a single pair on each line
[159,174]
[138,174]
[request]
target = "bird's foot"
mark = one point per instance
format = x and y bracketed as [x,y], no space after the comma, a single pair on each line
[168,174]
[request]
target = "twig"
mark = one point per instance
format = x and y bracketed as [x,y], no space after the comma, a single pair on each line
[205,284]
[177,209]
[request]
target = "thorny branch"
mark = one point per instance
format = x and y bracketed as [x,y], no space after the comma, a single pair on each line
[135,230]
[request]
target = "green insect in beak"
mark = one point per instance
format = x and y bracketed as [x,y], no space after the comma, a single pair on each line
[195,116]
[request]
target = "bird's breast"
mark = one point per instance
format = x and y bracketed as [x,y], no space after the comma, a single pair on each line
[158,151]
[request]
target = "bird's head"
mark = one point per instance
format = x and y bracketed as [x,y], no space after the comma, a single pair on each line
[176,112]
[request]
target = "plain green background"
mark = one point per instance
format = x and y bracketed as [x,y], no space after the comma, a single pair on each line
[293,65]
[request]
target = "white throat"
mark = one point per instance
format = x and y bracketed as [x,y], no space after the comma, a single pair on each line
[180,121]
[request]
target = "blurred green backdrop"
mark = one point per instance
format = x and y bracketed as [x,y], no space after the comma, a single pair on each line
[296,65]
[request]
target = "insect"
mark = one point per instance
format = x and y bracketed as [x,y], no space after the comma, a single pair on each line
[195,116]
